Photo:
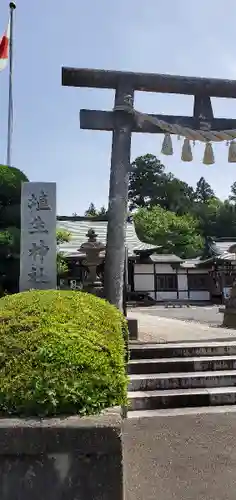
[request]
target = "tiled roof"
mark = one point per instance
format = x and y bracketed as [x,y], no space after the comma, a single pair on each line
[79,229]
[198,262]
[223,246]
[165,258]
[191,263]
[219,249]
[227,256]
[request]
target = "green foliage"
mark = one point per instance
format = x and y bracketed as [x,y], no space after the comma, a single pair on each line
[232,196]
[60,353]
[62,266]
[145,181]
[203,192]
[10,216]
[10,185]
[216,218]
[175,234]
[208,213]
[6,241]
[150,185]
[92,211]
[10,195]
[63,236]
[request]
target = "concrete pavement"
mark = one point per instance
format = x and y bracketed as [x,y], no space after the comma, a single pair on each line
[154,328]
[182,453]
[200,313]
[181,457]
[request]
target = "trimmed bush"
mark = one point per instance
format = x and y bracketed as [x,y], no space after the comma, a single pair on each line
[11,179]
[61,352]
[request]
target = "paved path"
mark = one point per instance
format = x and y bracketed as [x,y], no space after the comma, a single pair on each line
[208,314]
[153,328]
[181,457]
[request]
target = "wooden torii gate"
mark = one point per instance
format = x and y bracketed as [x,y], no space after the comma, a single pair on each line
[122,123]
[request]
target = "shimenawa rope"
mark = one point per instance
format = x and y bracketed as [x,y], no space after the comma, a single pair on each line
[206,136]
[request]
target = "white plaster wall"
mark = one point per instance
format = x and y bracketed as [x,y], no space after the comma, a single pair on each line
[164,269]
[143,268]
[182,282]
[144,282]
[166,295]
[199,295]
[198,271]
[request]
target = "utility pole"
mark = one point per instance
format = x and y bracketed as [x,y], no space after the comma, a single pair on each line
[12,7]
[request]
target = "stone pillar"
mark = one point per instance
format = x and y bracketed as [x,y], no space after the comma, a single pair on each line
[92,248]
[38,268]
[229,320]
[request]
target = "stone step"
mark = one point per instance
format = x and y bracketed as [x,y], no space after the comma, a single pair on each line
[183,350]
[172,412]
[151,400]
[153,382]
[172,365]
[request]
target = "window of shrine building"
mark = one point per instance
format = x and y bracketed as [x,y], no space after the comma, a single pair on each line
[166,282]
[198,282]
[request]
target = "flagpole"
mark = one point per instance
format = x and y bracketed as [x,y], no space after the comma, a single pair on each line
[12,7]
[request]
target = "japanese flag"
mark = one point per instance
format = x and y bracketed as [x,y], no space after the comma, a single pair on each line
[4,47]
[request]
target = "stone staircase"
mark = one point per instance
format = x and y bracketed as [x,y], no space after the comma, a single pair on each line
[181,376]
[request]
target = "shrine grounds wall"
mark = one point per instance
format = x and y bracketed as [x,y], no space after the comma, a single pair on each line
[57,459]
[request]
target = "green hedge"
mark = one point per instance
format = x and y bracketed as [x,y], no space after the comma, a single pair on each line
[60,353]
[11,179]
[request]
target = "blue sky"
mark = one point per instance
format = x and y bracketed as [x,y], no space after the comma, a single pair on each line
[177,37]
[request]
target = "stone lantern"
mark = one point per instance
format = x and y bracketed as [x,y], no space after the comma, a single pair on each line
[92,248]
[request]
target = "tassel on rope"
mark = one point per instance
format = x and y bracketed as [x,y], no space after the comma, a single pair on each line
[186,151]
[167,148]
[232,152]
[208,158]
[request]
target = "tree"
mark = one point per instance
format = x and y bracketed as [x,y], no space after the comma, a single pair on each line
[226,220]
[207,214]
[102,211]
[217,218]
[203,192]
[179,196]
[232,196]
[174,233]
[92,211]
[10,197]
[146,177]
[150,185]
[10,185]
